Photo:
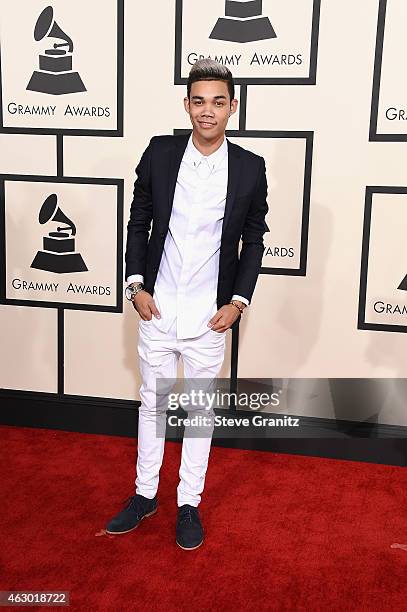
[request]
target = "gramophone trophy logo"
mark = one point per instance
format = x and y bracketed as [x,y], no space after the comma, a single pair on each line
[55,75]
[243,22]
[58,254]
[403,285]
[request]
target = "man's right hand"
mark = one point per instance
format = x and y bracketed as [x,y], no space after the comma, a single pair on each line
[144,303]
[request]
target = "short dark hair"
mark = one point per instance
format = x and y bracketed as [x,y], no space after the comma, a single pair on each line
[207,69]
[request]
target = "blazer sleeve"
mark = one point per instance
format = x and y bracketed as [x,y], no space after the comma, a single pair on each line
[255,226]
[141,214]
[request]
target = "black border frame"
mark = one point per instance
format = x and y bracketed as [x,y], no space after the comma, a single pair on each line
[306,201]
[312,75]
[119,96]
[377,73]
[119,183]
[364,265]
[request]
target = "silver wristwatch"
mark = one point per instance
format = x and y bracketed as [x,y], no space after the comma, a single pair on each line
[133,289]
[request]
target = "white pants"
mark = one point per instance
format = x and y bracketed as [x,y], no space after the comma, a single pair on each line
[159,353]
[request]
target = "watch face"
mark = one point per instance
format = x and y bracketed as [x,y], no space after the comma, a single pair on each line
[131,290]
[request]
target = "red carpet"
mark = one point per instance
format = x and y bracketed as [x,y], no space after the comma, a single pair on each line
[282,532]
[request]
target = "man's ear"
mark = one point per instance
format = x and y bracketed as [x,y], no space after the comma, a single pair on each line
[186,104]
[233,106]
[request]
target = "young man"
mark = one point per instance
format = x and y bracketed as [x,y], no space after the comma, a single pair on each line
[186,280]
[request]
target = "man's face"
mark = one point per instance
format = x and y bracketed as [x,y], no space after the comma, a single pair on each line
[209,108]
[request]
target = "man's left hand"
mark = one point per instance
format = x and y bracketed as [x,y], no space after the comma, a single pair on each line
[225,317]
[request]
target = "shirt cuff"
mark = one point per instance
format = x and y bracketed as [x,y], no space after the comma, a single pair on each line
[135,278]
[241,299]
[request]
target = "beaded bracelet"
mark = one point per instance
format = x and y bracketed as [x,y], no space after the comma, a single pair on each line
[237,306]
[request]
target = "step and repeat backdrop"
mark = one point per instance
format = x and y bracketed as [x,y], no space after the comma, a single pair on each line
[322,97]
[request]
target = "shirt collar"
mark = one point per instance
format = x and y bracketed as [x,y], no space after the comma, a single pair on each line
[213,159]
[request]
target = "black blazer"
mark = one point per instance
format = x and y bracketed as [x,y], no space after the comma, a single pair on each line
[245,212]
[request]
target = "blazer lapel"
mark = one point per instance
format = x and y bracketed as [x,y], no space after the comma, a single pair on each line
[234,172]
[176,154]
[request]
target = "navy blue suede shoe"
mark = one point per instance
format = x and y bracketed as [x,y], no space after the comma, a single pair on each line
[189,530]
[137,507]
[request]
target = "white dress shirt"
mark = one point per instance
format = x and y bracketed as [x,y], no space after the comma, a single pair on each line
[186,283]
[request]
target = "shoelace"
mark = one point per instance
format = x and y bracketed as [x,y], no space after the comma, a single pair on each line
[188,514]
[134,502]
